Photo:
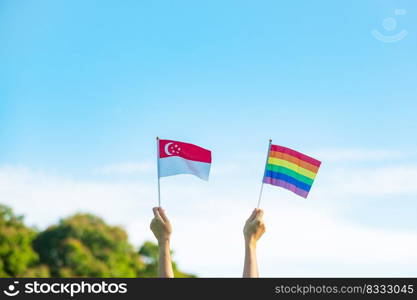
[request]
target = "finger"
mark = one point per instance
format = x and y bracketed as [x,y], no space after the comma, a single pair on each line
[259,214]
[156,212]
[154,222]
[162,214]
[253,215]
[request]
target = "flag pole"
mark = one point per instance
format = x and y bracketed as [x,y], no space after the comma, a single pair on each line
[262,185]
[157,162]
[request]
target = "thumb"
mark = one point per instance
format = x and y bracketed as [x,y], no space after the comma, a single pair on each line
[156,213]
[253,215]
[259,214]
[162,214]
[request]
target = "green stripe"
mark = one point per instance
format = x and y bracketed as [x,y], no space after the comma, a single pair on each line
[286,171]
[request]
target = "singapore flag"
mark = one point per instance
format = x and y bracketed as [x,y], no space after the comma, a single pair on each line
[183,158]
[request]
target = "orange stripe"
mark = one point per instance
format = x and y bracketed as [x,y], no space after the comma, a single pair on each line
[294,160]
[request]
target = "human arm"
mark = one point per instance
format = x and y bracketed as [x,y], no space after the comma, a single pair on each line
[253,230]
[162,229]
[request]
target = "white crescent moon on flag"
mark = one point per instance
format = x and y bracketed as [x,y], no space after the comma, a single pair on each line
[166,148]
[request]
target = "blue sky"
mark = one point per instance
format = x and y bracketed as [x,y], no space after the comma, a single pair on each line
[85,86]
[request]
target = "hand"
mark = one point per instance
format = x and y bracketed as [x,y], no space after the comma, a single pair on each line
[160,225]
[254,227]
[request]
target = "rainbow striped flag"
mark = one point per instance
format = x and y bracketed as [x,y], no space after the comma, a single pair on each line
[290,169]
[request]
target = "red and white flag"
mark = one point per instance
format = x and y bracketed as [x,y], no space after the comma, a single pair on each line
[183,158]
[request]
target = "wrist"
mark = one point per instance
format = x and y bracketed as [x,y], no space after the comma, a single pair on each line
[250,244]
[163,241]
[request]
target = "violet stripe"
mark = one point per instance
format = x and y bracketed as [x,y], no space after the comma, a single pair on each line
[286,185]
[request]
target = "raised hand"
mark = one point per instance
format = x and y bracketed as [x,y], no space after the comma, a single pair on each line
[160,225]
[254,226]
[162,229]
[253,230]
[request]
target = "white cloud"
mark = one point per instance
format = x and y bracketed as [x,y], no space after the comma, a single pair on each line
[149,167]
[303,238]
[126,168]
[356,155]
[370,182]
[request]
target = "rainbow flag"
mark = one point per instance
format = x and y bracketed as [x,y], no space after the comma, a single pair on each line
[290,169]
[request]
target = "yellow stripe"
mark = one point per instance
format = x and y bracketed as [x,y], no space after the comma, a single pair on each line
[291,166]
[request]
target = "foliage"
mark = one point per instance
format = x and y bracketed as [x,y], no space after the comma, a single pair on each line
[17,257]
[84,246]
[81,245]
[149,253]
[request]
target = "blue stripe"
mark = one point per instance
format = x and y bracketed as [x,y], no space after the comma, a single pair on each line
[289,179]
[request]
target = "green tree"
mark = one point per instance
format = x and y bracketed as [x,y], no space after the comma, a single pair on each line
[149,253]
[83,245]
[17,257]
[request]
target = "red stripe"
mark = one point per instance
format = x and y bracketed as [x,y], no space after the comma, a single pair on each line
[168,148]
[294,160]
[296,154]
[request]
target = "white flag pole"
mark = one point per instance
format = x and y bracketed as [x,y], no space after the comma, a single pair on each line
[157,162]
[262,185]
